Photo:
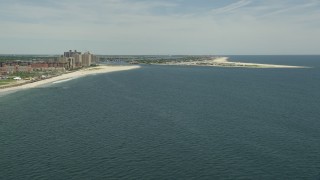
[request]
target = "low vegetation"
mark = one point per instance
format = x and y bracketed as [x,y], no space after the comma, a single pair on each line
[6,81]
[4,58]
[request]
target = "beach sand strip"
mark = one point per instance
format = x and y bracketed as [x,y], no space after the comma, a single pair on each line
[68,76]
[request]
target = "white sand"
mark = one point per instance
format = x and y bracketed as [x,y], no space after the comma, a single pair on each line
[68,76]
[223,61]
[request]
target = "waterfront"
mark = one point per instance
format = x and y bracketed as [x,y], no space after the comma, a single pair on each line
[67,76]
[168,122]
[224,62]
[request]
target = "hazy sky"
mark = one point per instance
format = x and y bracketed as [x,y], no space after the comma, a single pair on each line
[160,26]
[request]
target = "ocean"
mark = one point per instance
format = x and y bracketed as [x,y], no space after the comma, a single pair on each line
[168,122]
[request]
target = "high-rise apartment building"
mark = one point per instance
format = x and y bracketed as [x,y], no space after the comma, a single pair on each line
[87,59]
[76,59]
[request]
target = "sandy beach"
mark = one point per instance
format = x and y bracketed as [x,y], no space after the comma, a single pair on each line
[223,62]
[68,76]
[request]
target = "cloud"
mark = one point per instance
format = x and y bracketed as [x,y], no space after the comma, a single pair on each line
[160,26]
[231,7]
[285,9]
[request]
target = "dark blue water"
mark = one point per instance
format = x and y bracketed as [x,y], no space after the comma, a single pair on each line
[168,122]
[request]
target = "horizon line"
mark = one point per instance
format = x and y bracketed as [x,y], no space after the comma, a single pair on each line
[31,54]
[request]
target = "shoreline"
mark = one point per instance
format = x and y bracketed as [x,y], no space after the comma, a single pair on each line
[223,62]
[67,77]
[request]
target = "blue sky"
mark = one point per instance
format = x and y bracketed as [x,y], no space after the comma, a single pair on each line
[160,26]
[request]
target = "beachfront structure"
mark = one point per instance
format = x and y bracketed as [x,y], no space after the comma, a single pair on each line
[70,57]
[76,59]
[51,66]
[71,53]
[69,60]
[87,59]
[13,67]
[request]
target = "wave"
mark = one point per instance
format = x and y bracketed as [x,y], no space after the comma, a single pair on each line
[61,81]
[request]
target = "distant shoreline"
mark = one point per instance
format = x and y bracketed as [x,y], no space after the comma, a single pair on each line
[223,62]
[68,76]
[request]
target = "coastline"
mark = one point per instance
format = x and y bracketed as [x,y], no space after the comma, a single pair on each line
[67,77]
[223,62]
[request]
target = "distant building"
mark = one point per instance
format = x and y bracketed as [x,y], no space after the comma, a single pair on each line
[14,67]
[71,53]
[69,60]
[76,59]
[87,59]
